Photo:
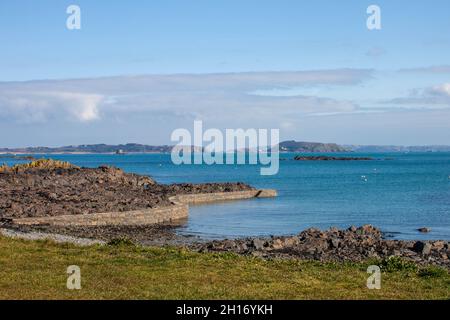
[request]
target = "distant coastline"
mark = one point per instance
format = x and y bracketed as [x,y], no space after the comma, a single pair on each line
[284,147]
[74,153]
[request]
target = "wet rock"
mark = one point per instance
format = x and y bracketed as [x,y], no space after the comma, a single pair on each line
[424,230]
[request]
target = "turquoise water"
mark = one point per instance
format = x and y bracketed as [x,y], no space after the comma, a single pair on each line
[401,194]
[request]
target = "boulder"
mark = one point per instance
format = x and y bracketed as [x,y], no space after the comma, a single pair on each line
[423,248]
[368,230]
[277,244]
[291,241]
[258,244]
[335,243]
[438,245]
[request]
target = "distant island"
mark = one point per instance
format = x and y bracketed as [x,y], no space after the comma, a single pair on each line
[376,148]
[93,148]
[294,146]
[317,147]
[285,146]
[328,158]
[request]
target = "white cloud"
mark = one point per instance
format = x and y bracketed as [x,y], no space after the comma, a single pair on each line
[30,106]
[436,97]
[443,89]
[177,96]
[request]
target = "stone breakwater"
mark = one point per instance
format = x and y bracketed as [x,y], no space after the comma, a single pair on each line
[178,209]
[353,244]
[46,188]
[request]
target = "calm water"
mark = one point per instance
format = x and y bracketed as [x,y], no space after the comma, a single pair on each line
[400,195]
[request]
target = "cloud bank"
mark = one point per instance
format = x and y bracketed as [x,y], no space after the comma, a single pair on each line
[304,105]
[432,97]
[178,95]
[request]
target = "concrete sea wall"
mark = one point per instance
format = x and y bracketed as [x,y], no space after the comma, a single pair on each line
[178,210]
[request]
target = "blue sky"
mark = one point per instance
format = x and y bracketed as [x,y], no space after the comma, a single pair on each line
[316,71]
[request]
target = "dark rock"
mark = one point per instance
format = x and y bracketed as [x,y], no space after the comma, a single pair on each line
[335,243]
[355,244]
[423,248]
[331,245]
[57,188]
[424,230]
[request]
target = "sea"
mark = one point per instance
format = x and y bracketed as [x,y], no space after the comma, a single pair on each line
[397,192]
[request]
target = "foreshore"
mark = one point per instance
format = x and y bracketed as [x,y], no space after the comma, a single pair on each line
[355,244]
[105,204]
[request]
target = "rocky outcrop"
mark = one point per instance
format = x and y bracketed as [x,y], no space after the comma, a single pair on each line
[353,244]
[16,157]
[301,146]
[37,165]
[54,188]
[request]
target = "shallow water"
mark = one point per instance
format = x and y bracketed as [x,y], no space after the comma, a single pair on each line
[400,195]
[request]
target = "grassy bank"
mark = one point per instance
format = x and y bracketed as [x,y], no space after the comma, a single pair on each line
[37,270]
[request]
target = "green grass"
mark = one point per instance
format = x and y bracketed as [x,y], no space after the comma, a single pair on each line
[37,270]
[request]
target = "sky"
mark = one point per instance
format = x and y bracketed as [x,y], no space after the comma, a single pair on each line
[137,70]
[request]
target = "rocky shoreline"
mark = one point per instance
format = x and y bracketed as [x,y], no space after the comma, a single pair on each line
[355,244]
[52,188]
[49,188]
